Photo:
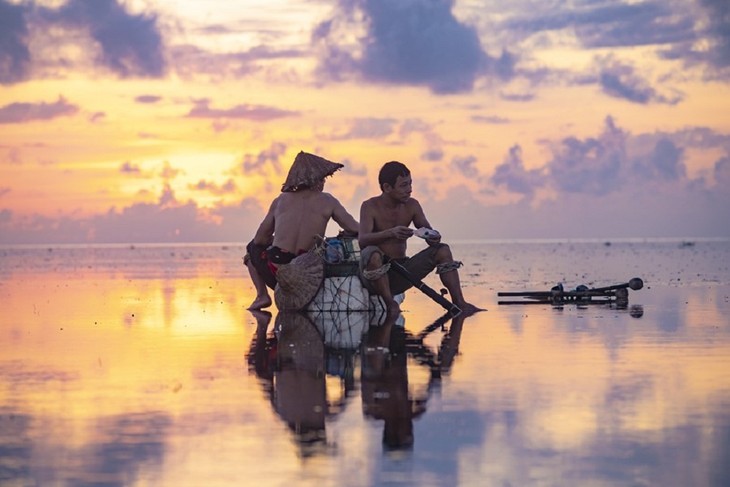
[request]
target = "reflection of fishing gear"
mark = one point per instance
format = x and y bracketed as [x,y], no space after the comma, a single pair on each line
[424,356]
[445,303]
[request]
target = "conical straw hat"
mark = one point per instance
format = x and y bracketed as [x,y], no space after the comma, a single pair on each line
[298,282]
[308,170]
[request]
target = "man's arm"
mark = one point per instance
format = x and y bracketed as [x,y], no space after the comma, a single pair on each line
[420,221]
[265,233]
[419,217]
[346,221]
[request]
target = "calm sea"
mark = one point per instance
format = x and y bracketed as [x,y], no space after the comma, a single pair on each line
[140,365]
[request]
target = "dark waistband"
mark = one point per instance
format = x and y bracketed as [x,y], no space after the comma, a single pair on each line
[278,255]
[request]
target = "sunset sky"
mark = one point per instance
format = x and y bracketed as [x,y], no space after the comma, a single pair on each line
[177,120]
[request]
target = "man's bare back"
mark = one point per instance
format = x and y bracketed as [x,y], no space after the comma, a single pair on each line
[297,218]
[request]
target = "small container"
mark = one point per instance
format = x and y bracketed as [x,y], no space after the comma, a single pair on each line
[335,252]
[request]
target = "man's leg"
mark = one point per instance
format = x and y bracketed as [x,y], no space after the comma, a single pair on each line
[377,275]
[446,268]
[262,300]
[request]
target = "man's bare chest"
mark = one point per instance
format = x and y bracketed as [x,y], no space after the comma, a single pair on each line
[387,218]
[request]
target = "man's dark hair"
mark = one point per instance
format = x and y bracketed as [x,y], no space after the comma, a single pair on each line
[390,171]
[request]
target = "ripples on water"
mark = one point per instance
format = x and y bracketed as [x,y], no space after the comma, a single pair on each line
[126,365]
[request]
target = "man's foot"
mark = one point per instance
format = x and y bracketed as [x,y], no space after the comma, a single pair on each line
[468,309]
[260,302]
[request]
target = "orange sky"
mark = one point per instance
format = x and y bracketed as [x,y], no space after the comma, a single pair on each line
[177,121]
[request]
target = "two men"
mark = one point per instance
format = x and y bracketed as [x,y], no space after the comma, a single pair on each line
[302,211]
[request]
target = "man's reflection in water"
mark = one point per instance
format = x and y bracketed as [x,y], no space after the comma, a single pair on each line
[384,382]
[385,390]
[300,396]
[292,364]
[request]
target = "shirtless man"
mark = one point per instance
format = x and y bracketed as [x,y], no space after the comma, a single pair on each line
[384,230]
[295,219]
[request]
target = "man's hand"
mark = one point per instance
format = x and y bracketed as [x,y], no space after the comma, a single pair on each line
[401,232]
[433,240]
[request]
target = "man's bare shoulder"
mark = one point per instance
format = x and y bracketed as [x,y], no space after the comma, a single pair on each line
[328,198]
[412,203]
[371,202]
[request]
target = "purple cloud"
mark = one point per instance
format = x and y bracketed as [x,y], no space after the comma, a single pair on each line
[14,53]
[513,175]
[250,112]
[129,168]
[419,42]
[466,166]
[621,81]
[131,44]
[217,189]
[368,128]
[147,99]
[268,157]
[28,112]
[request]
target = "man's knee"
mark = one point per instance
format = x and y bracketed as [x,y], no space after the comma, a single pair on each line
[375,261]
[443,253]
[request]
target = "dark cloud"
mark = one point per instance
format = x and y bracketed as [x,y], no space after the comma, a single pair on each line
[130,44]
[466,166]
[490,119]
[129,168]
[714,50]
[512,174]
[368,128]
[266,158]
[695,32]
[621,81]
[168,172]
[612,162]
[189,60]
[519,97]
[433,155]
[722,172]
[28,112]
[217,189]
[14,53]
[97,117]
[609,23]
[592,165]
[166,220]
[147,98]
[719,31]
[257,113]
[664,162]
[418,42]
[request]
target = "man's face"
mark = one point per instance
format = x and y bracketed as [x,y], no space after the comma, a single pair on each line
[402,189]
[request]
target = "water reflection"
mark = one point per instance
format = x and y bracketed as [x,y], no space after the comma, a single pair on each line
[109,378]
[295,358]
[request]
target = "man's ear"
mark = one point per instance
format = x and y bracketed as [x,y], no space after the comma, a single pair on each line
[386,187]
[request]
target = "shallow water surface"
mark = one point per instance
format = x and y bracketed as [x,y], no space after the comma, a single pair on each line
[140,365]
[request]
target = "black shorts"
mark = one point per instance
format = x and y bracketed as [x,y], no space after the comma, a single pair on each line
[419,265]
[260,261]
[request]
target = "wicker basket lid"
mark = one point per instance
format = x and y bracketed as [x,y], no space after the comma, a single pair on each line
[298,282]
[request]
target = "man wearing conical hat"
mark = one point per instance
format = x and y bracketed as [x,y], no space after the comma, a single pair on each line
[295,219]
